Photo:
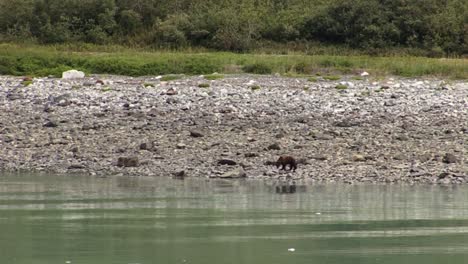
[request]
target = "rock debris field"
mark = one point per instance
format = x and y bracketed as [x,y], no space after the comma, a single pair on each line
[374,130]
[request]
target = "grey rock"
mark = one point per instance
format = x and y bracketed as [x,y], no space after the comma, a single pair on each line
[233,174]
[358,158]
[171,91]
[196,134]
[449,158]
[274,146]
[227,162]
[50,123]
[181,146]
[347,123]
[127,162]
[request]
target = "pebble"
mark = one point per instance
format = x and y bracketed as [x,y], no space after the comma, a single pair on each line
[389,131]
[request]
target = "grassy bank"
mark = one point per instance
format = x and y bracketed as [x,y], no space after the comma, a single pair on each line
[37,60]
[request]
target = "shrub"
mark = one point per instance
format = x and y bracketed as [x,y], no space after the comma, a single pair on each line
[171,77]
[332,78]
[257,68]
[214,76]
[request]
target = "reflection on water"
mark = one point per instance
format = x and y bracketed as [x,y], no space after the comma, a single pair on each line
[55,219]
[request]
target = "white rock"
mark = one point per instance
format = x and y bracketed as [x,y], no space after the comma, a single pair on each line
[291,249]
[73,74]
[236,173]
[364,74]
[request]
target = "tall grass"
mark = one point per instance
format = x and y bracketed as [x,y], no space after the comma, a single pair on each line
[37,60]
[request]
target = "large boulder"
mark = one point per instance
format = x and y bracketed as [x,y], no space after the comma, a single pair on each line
[73,74]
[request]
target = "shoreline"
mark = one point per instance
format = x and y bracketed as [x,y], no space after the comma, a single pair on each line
[387,130]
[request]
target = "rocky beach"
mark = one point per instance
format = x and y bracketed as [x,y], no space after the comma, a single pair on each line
[352,130]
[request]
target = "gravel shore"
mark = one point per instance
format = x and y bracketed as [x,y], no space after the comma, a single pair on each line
[373,130]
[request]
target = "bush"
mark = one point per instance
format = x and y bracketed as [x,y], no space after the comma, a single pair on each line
[257,68]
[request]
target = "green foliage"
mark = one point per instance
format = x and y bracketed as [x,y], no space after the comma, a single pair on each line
[204,85]
[26,83]
[255,87]
[35,60]
[332,77]
[129,22]
[214,76]
[430,27]
[170,77]
[434,25]
[257,68]
[341,87]
[106,89]
[312,79]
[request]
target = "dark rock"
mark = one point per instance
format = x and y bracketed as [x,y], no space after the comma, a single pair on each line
[443,175]
[171,100]
[449,158]
[279,135]
[48,108]
[196,134]
[181,146]
[226,162]
[75,149]
[319,157]
[50,124]
[321,136]
[250,155]
[76,167]
[145,146]
[171,91]
[13,96]
[127,162]
[402,137]
[180,175]
[274,146]
[425,157]
[346,123]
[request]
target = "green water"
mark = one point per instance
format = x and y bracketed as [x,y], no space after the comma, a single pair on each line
[74,219]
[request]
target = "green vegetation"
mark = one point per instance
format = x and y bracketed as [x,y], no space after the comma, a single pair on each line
[106,89]
[331,78]
[37,60]
[214,76]
[255,87]
[257,68]
[171,77]
[26,83]
[341,87]
[418,27]
[204,85]
[312,79]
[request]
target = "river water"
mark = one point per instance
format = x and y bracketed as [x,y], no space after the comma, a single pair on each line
[49,219]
